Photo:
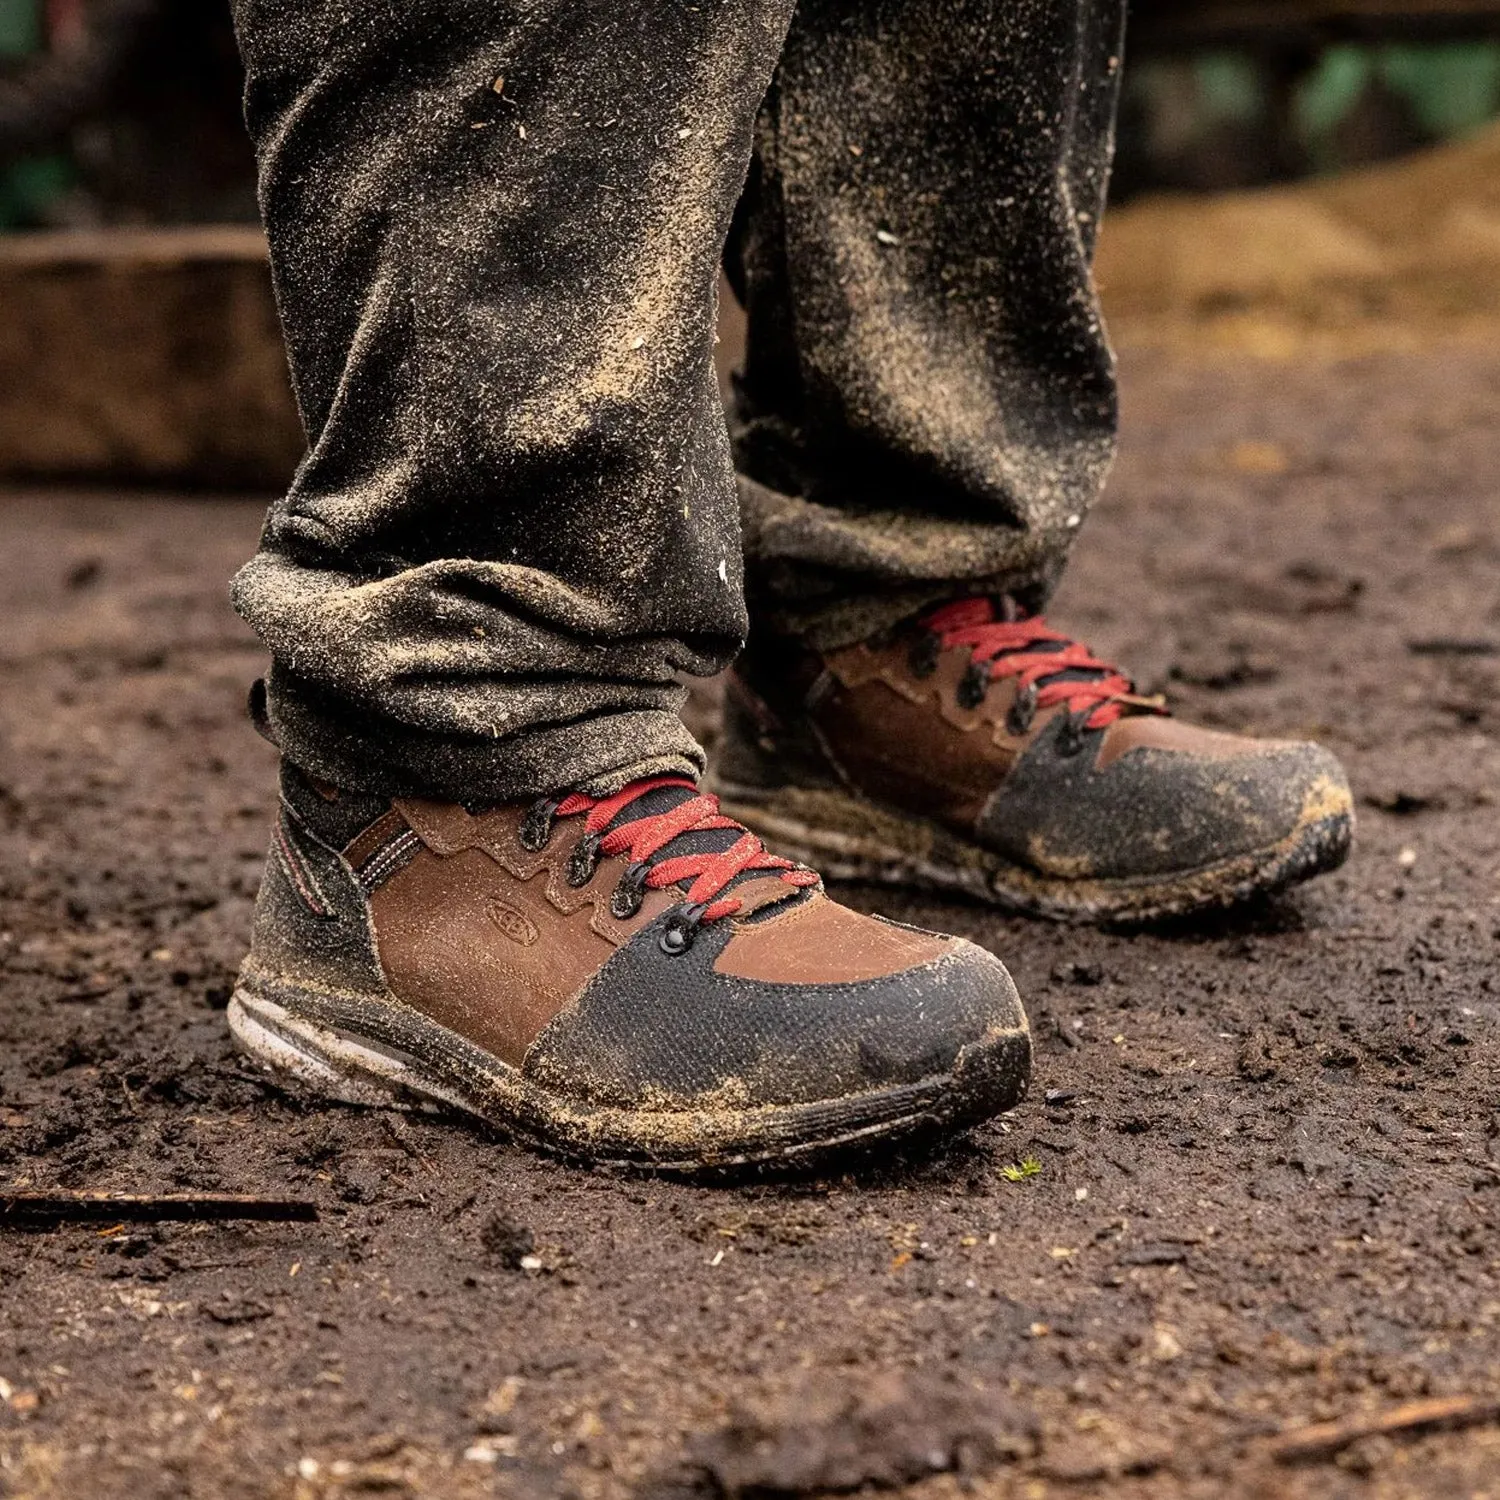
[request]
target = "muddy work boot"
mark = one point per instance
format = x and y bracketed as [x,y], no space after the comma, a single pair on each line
[976,751]
[633,979]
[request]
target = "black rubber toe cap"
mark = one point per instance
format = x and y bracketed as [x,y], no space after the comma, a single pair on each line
[657,1031]
[1160,812]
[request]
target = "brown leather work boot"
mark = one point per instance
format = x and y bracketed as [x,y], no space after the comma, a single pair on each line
[973,750]
[633,980]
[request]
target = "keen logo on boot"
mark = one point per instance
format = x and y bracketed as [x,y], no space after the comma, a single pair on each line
[517,926]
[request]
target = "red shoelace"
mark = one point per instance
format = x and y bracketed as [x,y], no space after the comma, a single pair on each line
[1006,646]
[642,837]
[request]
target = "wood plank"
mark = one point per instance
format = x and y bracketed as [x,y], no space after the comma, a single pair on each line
[144,356]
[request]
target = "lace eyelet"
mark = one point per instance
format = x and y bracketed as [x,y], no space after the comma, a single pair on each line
[925,651]
[1022,712]
[680,929]
[630,893]
[536,827]
[583,861]
[973,685]
[1070,737]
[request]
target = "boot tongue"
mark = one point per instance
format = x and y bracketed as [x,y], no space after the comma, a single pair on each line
[663,799]
[1068,674]
[985,611]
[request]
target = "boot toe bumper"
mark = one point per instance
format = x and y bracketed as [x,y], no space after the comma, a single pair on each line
[1159,812]
[662,1032]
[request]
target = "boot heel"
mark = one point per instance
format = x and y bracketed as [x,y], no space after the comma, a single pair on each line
[315,1057]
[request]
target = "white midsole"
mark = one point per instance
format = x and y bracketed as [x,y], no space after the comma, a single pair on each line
[336,1065]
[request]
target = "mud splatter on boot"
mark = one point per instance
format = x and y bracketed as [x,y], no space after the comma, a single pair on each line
[630,979]
[974,750]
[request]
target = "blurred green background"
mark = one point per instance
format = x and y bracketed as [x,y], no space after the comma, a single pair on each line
[1225,118]
[31,186]
[141,100]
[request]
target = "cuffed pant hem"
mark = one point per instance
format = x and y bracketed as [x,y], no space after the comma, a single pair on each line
[833,577]
[361,752]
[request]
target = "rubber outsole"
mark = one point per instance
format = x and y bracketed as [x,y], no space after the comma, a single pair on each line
[369,1051]
[847,837]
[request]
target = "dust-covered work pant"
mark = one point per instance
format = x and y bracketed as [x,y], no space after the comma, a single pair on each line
[496,228]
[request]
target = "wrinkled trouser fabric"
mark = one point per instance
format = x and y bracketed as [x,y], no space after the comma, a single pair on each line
[495,232]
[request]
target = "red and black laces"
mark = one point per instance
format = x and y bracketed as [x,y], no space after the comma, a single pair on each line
[1049,667]
[647,839]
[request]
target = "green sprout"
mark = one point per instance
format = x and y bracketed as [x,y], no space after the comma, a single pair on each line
[1028,1166]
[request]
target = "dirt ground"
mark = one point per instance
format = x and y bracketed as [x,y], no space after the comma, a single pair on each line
[1386,256]
[1268,1191]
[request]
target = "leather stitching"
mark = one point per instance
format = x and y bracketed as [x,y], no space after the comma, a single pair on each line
[296,870]
[494,833]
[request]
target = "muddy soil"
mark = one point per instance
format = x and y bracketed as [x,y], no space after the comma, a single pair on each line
[1261,1186]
